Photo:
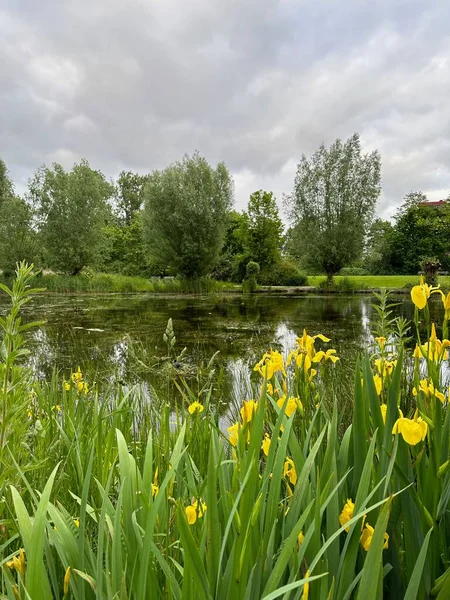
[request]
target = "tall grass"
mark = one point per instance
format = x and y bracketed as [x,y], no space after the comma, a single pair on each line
[115,283]
[110,497]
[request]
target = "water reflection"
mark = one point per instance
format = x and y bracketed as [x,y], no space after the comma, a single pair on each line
[101,333]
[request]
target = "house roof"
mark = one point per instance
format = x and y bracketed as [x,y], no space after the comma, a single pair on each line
[434,203]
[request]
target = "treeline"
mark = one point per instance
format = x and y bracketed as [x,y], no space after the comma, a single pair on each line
[180,221]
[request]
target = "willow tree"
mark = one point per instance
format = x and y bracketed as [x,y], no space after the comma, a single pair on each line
[333,203]
[71,209]
[185,215]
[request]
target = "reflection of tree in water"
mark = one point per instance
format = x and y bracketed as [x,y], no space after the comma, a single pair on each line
[94,332]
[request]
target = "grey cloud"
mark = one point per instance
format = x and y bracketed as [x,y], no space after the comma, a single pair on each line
[252,82]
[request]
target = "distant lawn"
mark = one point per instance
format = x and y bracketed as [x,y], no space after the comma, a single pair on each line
[378,281]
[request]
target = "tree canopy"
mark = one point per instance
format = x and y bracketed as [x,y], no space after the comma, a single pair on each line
[421,231]
[333,202]
[16,235]
[263,229]
[71,211]
[185,215]
[129,195]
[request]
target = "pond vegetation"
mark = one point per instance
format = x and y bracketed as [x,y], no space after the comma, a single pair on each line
[107,495]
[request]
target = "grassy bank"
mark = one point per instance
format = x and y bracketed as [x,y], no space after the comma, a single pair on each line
[111,496]
[114,283]
[371,282]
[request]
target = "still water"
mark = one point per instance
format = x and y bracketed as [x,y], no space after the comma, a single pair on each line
[121,336]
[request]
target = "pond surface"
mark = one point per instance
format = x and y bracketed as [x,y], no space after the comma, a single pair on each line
[121,336]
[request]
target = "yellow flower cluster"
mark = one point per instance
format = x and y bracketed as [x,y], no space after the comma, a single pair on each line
[248,410]
[305,354]
[428,389]
[271,363]
[368,531]
[434,350]
[77,382]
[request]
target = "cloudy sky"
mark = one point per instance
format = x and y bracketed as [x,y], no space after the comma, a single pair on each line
[135,84]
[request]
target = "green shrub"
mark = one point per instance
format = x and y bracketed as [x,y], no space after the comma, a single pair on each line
[353,271]
[284,272]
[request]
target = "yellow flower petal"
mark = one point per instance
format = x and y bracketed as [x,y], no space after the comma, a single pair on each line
[419,296]
[347,513]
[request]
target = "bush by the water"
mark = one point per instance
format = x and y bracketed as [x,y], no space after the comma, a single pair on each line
[108,495]
[283,272]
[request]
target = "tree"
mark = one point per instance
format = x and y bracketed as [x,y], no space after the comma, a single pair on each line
[376,252]
[421,231]
[333,202]
[185,215]
[125,248]
[129,195]
[17,239]
[16,235]
[6,185]
[263,229]
[233,257]
[72,210]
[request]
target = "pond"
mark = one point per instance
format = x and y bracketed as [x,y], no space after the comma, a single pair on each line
[121,336]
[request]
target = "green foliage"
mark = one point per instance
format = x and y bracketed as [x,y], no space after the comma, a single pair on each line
[332,205]
[376,252]
[103,491]
[262,229]
[17,239]
[233,257]
[252,272]
[185,215]
[71,211]
[124,248]
[283,272]
[355,271]
[6,185]
[420,231]
[129,195]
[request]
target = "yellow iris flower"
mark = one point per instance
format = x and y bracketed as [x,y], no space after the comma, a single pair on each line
[381,341]
[233,434]
[347,513]
[291,406]
[434,349]
[66,581]
[413,430]
[265,446]
[378,383]
[18,563]
[385,366]
[195,407]
[289,471]
[248,410]
[155,486]
[328,355]
[446,303]
[383,408]
[271,363]
[420,293]
[429,390]
[195,511]
[367,535]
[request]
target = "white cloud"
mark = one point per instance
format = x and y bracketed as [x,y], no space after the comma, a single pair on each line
[254,83]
